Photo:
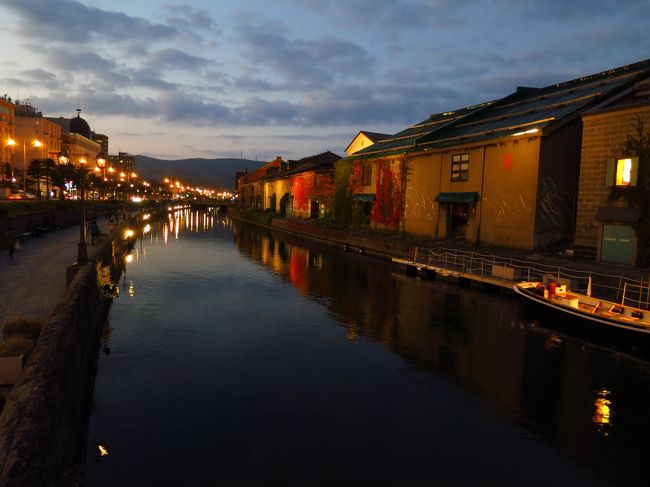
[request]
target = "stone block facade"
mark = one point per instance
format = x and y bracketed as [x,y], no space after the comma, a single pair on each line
[603,137]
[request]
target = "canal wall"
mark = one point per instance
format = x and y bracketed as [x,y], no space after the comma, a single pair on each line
[387,247]
[44,420]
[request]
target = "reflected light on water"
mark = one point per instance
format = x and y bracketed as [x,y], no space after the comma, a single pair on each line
[602,417]
[102,451]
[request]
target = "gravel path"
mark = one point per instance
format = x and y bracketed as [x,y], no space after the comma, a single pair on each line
[33,283]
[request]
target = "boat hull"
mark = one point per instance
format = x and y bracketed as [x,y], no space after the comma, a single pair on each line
[632,331]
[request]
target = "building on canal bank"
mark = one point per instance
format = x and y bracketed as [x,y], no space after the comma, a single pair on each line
[612,213]
[363,140]
[301,188]
[502,173]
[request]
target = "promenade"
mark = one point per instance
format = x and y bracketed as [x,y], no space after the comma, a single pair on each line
[34,282]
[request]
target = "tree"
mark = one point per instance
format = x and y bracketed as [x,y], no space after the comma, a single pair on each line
[35,171]
[61,175]
[48,168]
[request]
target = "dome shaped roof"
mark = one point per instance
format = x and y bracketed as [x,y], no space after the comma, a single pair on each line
[79,126]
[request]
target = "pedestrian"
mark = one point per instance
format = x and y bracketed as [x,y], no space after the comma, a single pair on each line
[94,231]
[11,238]
[112,225]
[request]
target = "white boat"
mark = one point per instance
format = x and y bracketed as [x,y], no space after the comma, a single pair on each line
[598,313]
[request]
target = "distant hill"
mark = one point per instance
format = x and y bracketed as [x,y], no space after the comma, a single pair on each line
[214,173]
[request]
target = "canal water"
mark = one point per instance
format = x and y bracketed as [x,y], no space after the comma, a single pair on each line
[237,357]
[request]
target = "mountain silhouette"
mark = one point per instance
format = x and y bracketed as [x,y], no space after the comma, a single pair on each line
[211,173]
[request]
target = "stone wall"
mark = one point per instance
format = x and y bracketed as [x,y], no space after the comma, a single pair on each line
[43,423]
[603,137]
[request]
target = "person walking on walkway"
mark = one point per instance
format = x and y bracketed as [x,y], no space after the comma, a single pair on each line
[94,231]
[12,241]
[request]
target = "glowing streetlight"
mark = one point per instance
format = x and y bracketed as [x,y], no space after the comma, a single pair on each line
[101,164]
[82,253]
[35,143]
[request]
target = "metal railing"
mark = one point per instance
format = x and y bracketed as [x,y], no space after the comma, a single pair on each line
[617,288]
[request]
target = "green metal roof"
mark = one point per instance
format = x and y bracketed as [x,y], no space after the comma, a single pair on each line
[525,109]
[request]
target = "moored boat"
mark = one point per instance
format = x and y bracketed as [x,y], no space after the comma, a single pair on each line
[600,314]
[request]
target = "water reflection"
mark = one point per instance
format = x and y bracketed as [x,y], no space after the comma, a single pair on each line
[485,344]
[278,360]
[603,413]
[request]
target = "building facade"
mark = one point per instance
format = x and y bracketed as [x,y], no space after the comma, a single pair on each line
[7,117]
[607,223]
[302,188]
[501,173]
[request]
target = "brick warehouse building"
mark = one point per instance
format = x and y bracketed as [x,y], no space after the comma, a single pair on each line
[606,225]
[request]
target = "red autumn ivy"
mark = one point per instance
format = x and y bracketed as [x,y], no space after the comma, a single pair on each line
[389,200]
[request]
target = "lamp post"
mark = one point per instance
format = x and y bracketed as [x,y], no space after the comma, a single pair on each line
[101,163]
[35,143]
[82,251]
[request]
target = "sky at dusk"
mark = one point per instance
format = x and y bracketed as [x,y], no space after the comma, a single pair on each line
[261,78]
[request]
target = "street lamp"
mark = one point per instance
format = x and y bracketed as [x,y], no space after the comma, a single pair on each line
[82,253]
[101,163]
[35,143]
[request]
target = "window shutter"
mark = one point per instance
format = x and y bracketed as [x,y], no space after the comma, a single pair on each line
[634,171]
[610,172]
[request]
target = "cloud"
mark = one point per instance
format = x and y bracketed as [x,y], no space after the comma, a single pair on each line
[176,59]
[186,18]
[301,62]
[391,14]
[75,23]
[554,9]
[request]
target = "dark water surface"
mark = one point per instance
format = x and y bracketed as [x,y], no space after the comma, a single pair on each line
[238,358]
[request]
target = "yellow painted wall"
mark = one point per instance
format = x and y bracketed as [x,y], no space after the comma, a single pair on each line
[508,196]
[277,186]
[507,189]
[361,141]
[421,214]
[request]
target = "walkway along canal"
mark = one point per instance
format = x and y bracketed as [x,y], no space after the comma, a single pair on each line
[236,356]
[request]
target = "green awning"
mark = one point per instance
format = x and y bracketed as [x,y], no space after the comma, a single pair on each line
[460,197]
[363,197]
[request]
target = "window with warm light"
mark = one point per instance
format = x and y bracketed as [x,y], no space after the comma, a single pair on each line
[459,167]
[622,171]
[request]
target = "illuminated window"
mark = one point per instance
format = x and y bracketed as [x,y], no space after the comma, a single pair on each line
[367,175]
[459,167]
[622,171]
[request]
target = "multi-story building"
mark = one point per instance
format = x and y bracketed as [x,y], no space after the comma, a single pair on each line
[123,162]
[103,141]
[7,111]
[77,139]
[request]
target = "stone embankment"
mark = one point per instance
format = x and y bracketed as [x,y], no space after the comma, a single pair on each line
[44,420]
[40,425]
